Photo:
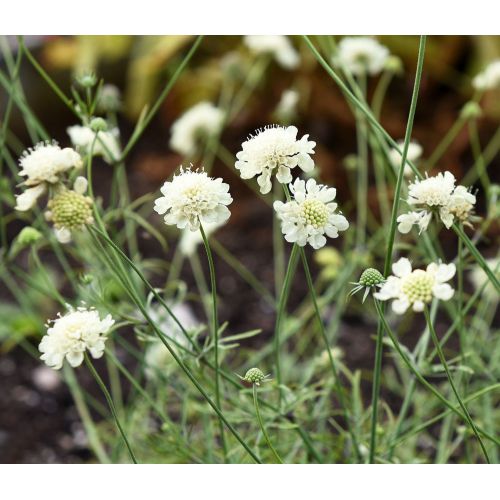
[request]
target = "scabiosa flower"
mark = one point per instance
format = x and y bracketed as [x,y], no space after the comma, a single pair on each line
[46,162]
[370,279]
[106,145]
[460,206]
[279,46]
[27,200]
[193,197]
[287,106]
[416,288]
[70,210]
[274,149]
[254,376]
[489,78]
[70,336]
[310,215]
[413,155]
[202,121]
[361,55]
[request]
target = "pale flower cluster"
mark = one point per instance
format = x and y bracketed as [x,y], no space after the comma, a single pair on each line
[310,215]
[279,46]
[274,150]
[437,194]
[489,78]
[416,288]
[71,335]
[202,121]
[361,55]
[192,197]
[106,144]
[413,155]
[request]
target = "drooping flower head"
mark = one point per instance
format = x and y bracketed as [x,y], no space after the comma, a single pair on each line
[106,145]
[361,55]
[414,153]
[202,121]
[279,46]
[274,150]
[192,196]
[489,78]
[416,288]
[70,336]
[46,162]
[310,215]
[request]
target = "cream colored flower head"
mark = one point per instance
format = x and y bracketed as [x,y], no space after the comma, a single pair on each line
[361,55]
[279,46]
[310,215]
[202,121]
[414,153]
[106,145]
[70,336]
[192,197]
[489,78]
[416,288]
[46,162]
[274,150]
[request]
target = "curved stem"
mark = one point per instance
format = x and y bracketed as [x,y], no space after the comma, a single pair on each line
[261,423]
[452,384]
[111,405]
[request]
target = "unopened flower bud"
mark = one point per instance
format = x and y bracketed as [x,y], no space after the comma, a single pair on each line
[254,376]
[87,79]
[471,110]
[98,124]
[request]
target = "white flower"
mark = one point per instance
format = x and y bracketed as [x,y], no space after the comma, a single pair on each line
[406,221]
[106,145]
[479,279]
[432,191]
[460,206]
[416,288]
[489,78]
[201,121]
[279,46]
[413,155]
[361,55]
[274,148]
[28,199]
[190,240]
[287,106]
[46,161]
[71,335]
[192,197]
[310,215]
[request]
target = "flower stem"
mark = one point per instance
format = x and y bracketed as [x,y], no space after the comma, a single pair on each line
[261,423]
[215,331]
[111,405]
[452,384]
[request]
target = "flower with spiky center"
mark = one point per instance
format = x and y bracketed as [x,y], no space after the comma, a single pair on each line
[310,215]
[414,153]
[254,376]
[274,150]
[361,55]
[370,279]
[489,78]
[202,121]
[70,210]
[70,336]
[279,46]
[193,197]
[46,162]
[106,144]
[416,288]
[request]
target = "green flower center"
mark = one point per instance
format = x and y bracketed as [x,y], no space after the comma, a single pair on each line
[70,210]
[254,375]
[417,286]
[371,277]
[314,213]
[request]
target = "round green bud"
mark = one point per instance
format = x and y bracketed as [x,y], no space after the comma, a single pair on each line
[98,124]
[254,376]
[394,64]
[471,110]
[87,79]
[371,277]
[109,99]
[351,162]
[86,278]
[70,210]
[28,236]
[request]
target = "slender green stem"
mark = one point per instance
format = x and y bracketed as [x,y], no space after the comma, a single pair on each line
[452,384]
[262,427]
[445,142]
[215,330]
[362,182]
[109,399]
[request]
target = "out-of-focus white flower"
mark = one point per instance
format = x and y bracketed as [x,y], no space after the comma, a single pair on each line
[191,197]
[27,200]
[479,279]
[106,145]
[109,98]
[361,55]
[413,155]
[279,46]
[287,107]
[274,149]
[158,358]
[202,121]
[489,78]
[69,336]
[46,161]
[191,239]
[416,288]
[310,215]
